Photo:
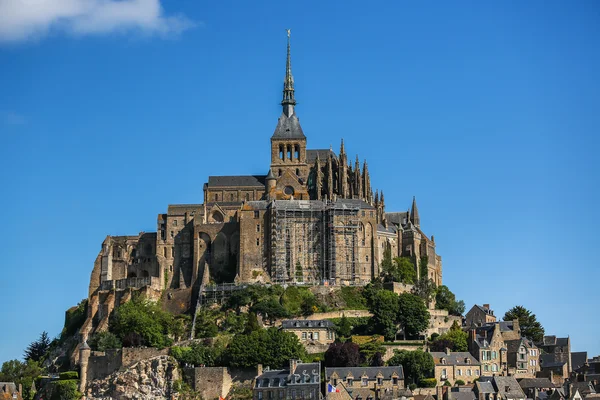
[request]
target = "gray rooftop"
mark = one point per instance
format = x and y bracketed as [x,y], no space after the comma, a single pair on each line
[255,181]
[539,383]
[370,372]
[454,358]
[397,218]
[302,323]
[281,377]
[389,229]
[311,155]
[288,128]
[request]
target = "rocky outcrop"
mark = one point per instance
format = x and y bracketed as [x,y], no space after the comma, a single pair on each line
[147,379]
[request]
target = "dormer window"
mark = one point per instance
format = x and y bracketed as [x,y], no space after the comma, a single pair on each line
[467,360]
[443,361]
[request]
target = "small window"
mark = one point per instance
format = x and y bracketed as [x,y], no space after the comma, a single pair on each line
[469,372]
[257,241]
[316,336]
[297,171]
[459,372]
[371,213]
[231,197]
[477,372]
[256,214]
[365,382]
[303,335]
[174,222]
[367,258]
[380,381]
[395,380]
[297,153]
[172,234]
[257,227]
[247,196]
[216,197]
[165,252]
[349,381]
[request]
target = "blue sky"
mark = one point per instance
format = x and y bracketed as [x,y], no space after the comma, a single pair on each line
[488,112]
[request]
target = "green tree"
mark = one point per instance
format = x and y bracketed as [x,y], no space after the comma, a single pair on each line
[385,310]
[270,308]
[371,352]
[23,373]
[412,314]
[141,321]
[401,270]
[530,327]
[446,300]
[206,323]
[103,341]
[344,327]
[37,350]
[270,347]
[252,324]
[417,364]
[455,339]
[197,354]
[425,289]
[423,267]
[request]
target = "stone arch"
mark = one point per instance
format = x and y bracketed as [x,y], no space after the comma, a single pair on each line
[217,216]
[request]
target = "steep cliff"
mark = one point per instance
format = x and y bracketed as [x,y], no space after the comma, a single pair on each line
[147,379]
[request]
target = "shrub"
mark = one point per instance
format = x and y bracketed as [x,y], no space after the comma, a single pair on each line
[428,382]
[75,317]
[459,382]
[103,341]
[412,386]
[353,297]
[447,383]
[65,390]
[270,347]
[68,375]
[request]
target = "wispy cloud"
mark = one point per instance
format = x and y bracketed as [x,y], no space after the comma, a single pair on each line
[22,20]
[12,118]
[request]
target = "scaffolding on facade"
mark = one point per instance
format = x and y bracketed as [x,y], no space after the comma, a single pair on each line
[297,231]
[218,293]
[341,265]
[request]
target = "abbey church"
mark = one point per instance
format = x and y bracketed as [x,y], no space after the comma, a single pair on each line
[311,219]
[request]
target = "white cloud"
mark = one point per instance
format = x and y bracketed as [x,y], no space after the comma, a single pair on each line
[27,19]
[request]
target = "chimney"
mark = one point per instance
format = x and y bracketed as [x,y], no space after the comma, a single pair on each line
[293,365]
[259,370]
[20,389]
[447,351]
[486,307]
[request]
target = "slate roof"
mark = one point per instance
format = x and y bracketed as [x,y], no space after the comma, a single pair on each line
[484,386]
[502,383]
[454,358]
[311,155]
[461,395]
[371,372]
[578,359]
[257,181]
[258,204]
[397,218]
[512,346]
[301,323]
[344,203]
[583,387]
[548,360]
[281,377]
[288,128]
[506,326]
[536,383]
[552,340]
[389,229]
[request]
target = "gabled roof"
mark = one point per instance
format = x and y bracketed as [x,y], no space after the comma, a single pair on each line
[549,360]
[461,395]
[371,372]
[257,181]
[397,218]
[536,383]
[508,387]
[578,359]
[282,377]
[454,358]
[389,229]
[311,155]
[288,128]
[301,323]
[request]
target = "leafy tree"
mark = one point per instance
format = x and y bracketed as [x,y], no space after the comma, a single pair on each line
[252,324]
[401,270]
[384,307]
[417,364]
[342,355]
[371,352]
[197,354]
[412,314]
[386,262]
[206,323]
[65,390]
[530,327]
[455,339]
[425,289]
[344,327]
[371,289]
[23,373]
[270,308]
[37,350]
[103,341]
[142,322]
[446,300]
[270,347]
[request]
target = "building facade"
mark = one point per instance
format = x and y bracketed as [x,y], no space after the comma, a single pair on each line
[454,366]
[300,381]
[312,218]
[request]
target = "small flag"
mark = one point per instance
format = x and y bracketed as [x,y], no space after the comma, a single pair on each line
[332,389]
[221,398]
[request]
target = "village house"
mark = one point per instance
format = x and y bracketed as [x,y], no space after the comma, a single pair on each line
[300,381]
[369,382]
[479,315]
[523,358]
[317,332]
[453,366]
[487,345]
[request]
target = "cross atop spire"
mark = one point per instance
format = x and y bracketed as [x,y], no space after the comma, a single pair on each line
[288,101]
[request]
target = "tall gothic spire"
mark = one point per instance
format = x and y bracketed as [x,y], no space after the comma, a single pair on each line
[289,100]
[414,213]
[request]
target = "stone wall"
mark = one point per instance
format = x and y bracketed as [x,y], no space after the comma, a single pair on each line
[416,345]
[102,364]
[209,382]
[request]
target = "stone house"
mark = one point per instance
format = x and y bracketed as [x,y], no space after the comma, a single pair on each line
[535,388]
[311,332]
[369,382]
[523,358]
[9,390]
[487,345]
[559,348]
[479,315]
[299,381]
[453,366]
[556,371]
[505,387]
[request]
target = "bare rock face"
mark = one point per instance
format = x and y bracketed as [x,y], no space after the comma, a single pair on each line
[148,379]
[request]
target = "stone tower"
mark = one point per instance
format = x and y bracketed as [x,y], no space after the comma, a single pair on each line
[288,143]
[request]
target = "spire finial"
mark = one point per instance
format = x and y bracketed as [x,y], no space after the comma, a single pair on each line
[288,101]
[414,213]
